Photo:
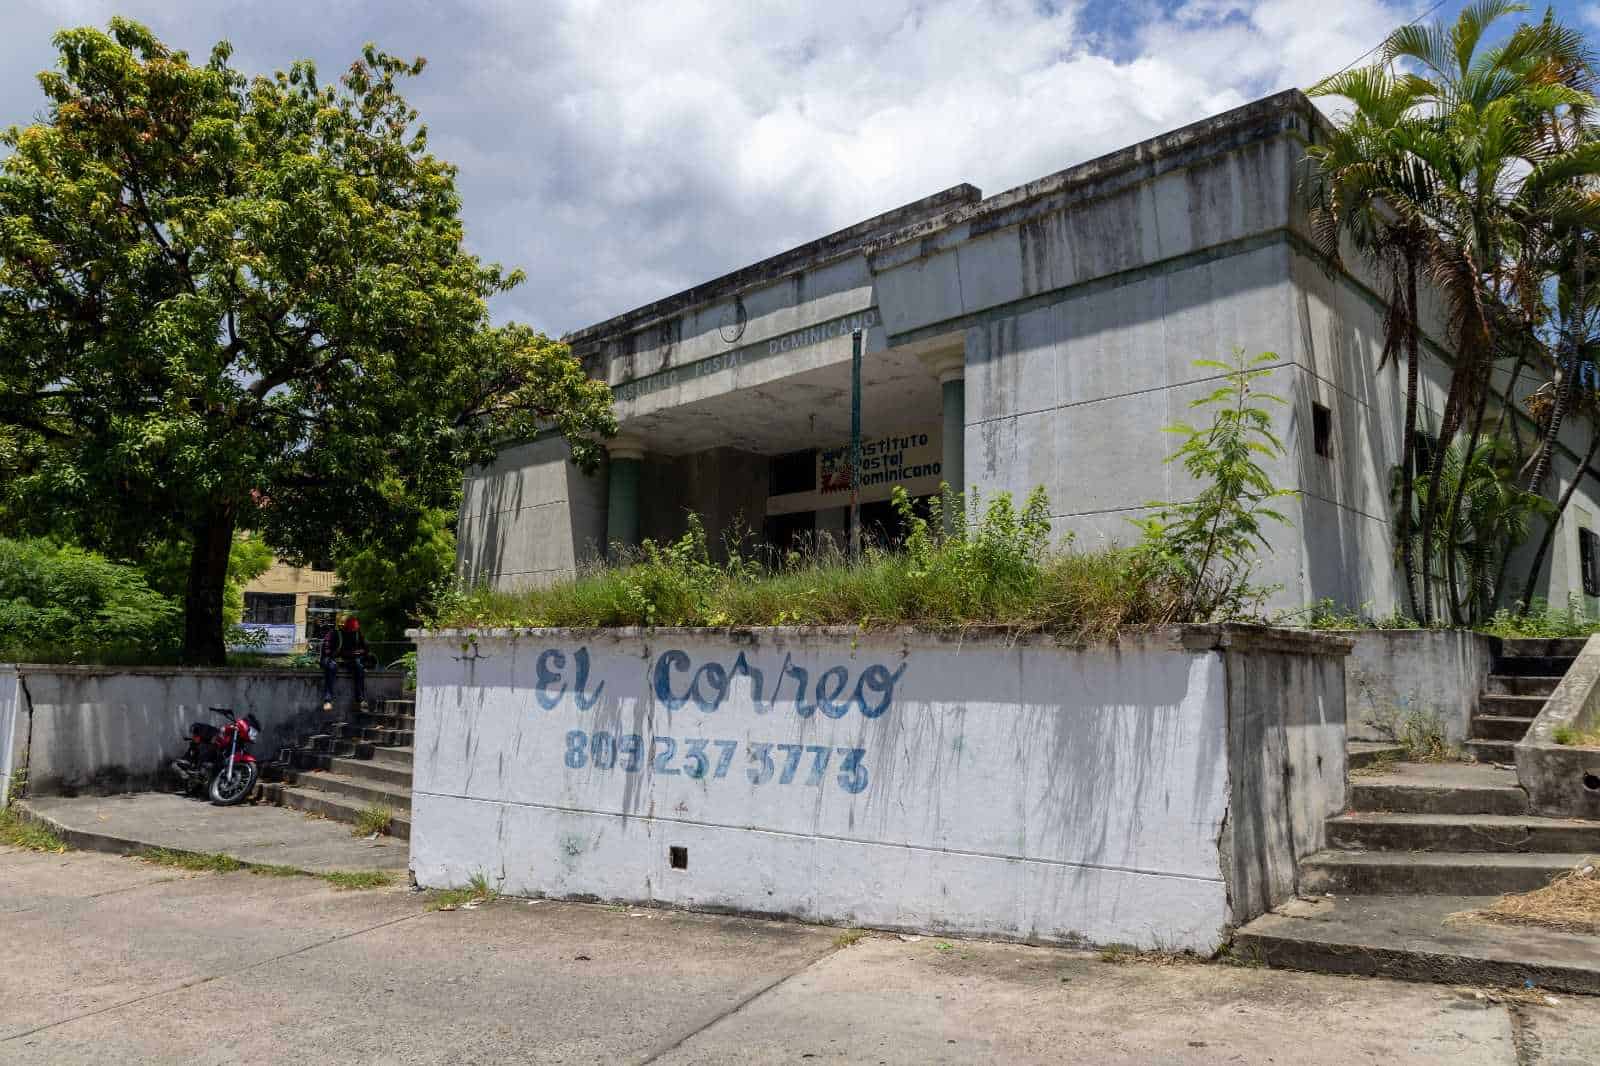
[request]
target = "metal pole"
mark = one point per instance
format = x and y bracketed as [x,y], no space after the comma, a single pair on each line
[855,444]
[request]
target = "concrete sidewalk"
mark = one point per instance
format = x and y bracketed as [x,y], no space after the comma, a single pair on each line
[254,834]
[109,960]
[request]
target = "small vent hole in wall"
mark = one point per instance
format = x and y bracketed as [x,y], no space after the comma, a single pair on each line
[1322,429]
[1591,782]
[678,857]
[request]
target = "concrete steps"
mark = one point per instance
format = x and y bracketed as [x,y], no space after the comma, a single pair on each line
[1496,704]
[1422,843]
[1363,753]
[1400,873]
[333,806]
[354,764]
[1521,685]
[1499,727]
[364,790]
[397,756]
[1388,831]
[1421,938]
[1439,788]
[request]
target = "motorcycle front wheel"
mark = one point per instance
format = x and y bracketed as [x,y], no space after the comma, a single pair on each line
[226,789]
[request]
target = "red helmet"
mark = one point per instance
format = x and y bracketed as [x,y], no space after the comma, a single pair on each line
[351,624]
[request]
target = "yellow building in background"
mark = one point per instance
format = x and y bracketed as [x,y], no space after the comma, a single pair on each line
[292,605]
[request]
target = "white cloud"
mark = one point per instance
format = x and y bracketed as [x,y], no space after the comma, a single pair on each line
[621,151]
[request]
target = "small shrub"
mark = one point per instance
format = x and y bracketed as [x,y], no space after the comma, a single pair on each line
[477,891]
[1326,614]
[1209,544]
[1419,732]
[849,937]
[374,818]
[1542,621]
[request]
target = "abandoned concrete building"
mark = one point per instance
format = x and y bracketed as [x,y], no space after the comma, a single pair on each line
[1040,337]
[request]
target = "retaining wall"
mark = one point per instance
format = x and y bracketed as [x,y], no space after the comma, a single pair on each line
[114,729]
[1153,793]
[1563,780]
[1432,671]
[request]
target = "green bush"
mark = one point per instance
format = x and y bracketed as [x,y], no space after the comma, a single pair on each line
[61,602]
[1542,620]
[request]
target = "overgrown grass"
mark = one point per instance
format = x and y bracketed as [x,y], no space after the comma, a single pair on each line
[218,863]
[849,937]
[194,862]
[374,818]
[1541,620]
[359,880]
[477,891]
[1328,615]
[1000,572]
[1575,737]
[19,832]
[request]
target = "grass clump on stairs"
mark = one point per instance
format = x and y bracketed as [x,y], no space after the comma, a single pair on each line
[374,819]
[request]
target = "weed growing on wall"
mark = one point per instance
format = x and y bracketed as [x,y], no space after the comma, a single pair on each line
[1210,543]
[1419,732]
[1541,620]
[994,566]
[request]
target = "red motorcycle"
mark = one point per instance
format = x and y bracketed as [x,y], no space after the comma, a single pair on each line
[218,761]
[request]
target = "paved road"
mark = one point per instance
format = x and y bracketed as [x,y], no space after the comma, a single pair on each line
[107,960]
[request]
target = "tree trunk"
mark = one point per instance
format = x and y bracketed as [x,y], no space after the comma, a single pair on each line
[1506,417]
[204,641]
[1454,510]
[1448,426]
[1555,520]
[1408,561]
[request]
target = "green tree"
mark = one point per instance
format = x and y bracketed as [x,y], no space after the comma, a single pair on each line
[392,590]
[233,303]
[1475,144]
[59,601]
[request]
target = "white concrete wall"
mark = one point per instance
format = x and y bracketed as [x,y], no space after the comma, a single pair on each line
[1438,671]
[531,517]
[1005,788]
[112,729]
[13,720]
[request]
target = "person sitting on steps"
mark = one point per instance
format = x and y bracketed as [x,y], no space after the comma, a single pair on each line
[344,644]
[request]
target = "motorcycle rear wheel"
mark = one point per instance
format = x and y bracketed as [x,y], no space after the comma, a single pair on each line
[227,791]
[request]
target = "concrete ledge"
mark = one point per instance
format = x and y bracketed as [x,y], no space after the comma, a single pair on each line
[1559,779]
[1232,636]
[253,835]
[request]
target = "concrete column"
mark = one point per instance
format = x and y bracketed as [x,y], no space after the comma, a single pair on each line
[622,495]
[951,368]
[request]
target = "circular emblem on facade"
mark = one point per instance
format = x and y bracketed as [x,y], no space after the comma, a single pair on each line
[731,324]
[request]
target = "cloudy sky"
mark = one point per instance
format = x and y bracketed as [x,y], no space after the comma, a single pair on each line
[619,151]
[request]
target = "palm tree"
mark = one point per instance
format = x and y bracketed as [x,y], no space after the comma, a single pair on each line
[1362,186]
[1446,133]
